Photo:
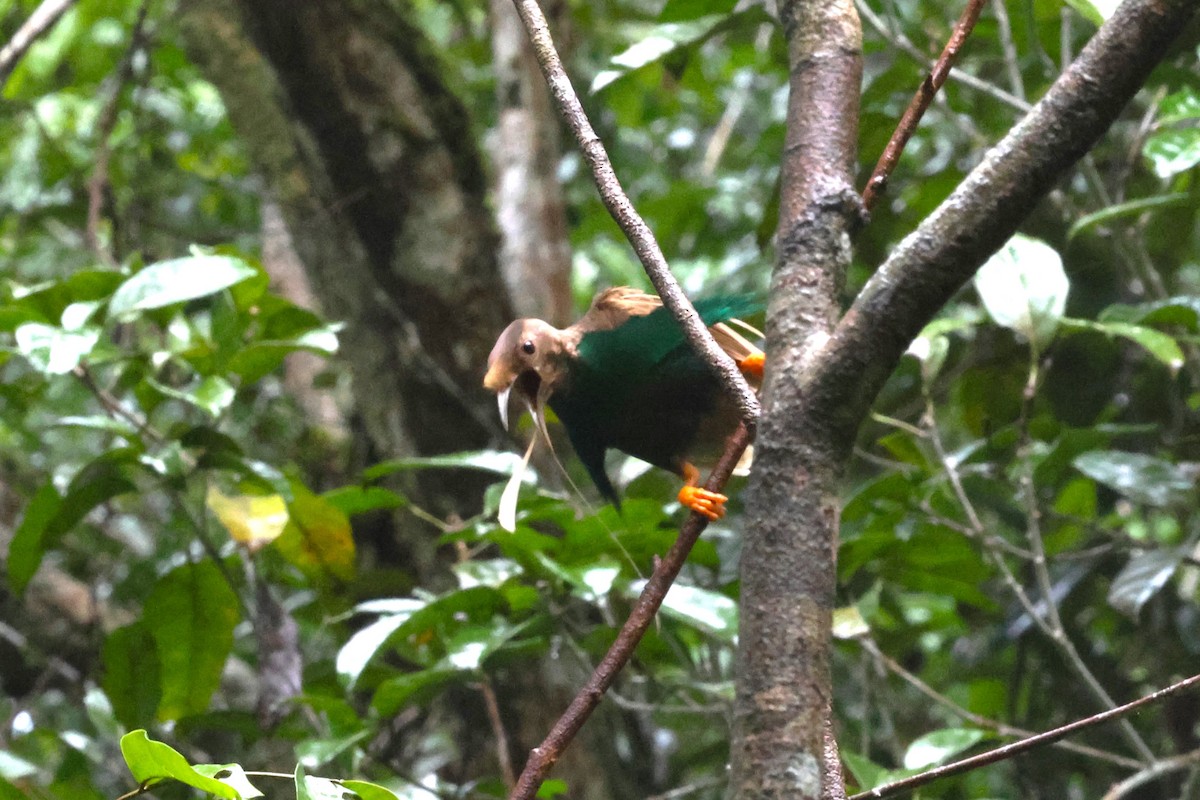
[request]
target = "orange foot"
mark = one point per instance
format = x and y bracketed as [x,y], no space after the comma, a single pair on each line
[699,499]
[702,501]
[753,364]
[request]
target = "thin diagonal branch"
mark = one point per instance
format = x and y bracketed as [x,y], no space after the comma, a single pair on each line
[40,21]
[920,102]
[627,217]
[544,756]
[1025,745]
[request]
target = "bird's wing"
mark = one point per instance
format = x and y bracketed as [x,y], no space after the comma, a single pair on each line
[614,307]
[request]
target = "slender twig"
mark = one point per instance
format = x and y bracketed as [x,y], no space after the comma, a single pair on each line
[920,102]
[1054,626]
[1011,60]
[905,45]
[108,121]
[1002,728]
[1153,773]
[626,216]
[497,722]
[1025,745]
[40,21]
[544,756]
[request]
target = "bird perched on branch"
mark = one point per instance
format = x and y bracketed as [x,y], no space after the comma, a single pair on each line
[624,377]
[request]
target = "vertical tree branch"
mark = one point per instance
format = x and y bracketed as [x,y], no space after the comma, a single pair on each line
[783,681]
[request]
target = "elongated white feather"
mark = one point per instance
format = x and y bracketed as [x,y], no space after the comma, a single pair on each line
[507,513]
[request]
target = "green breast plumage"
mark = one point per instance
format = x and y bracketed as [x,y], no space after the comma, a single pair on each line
[639,388]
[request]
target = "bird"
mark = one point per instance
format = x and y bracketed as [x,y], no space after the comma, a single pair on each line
[624,377]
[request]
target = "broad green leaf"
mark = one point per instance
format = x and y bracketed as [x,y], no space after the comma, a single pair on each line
[7,790]
[231,775]
[1141,478]
[1024,287]
[153,762]
[258,359]
[1183,310]
[369,791]
[28,544]
[252,520]
[706,610]
[1095,11]
[1158,344]
[939,747]
[867,773]
[1141,578]
[52,350]
[191,613]
[1173,151]
[361,647]
[310,787]
[1131,208]
[317,537]
[212,395]
[131,674]
[396,693]
[177,280]
[351,500]
[500,462]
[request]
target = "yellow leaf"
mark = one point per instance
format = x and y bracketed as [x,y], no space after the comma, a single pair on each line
[252,520]
[317,538]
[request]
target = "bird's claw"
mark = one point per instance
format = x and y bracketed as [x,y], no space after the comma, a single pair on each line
[702,501]
[753,364]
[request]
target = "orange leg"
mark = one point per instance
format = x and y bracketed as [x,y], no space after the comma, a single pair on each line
[699,499]
[753,364]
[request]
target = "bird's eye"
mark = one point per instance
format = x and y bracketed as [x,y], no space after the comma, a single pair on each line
[527,347]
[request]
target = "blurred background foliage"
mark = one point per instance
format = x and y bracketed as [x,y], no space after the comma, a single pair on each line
[185,547]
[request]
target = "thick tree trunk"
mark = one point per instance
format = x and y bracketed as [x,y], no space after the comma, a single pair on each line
[535,253]
[372,161]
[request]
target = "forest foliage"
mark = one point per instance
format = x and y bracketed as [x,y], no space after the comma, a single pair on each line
[1019,535]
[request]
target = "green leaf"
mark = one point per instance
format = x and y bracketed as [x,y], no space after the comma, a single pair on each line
[397,693]
[152,762]
[191,613]
[317,538]
[131,674]
[1158,344]
[310,787]
[497,461]
[231,775]
[351,500]
[177,280]
[1141,478]
[52,350]
[361,647]
[369,791]
[28,544]
[1131,208]
[939,747]
[1024,288]
[1141,578]
[705,610]
[1095,11]
[1173,151]
[212,395]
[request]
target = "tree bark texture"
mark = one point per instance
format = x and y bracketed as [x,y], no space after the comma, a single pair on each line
[821,381]
[784,688]
[372,160]
[535,251]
